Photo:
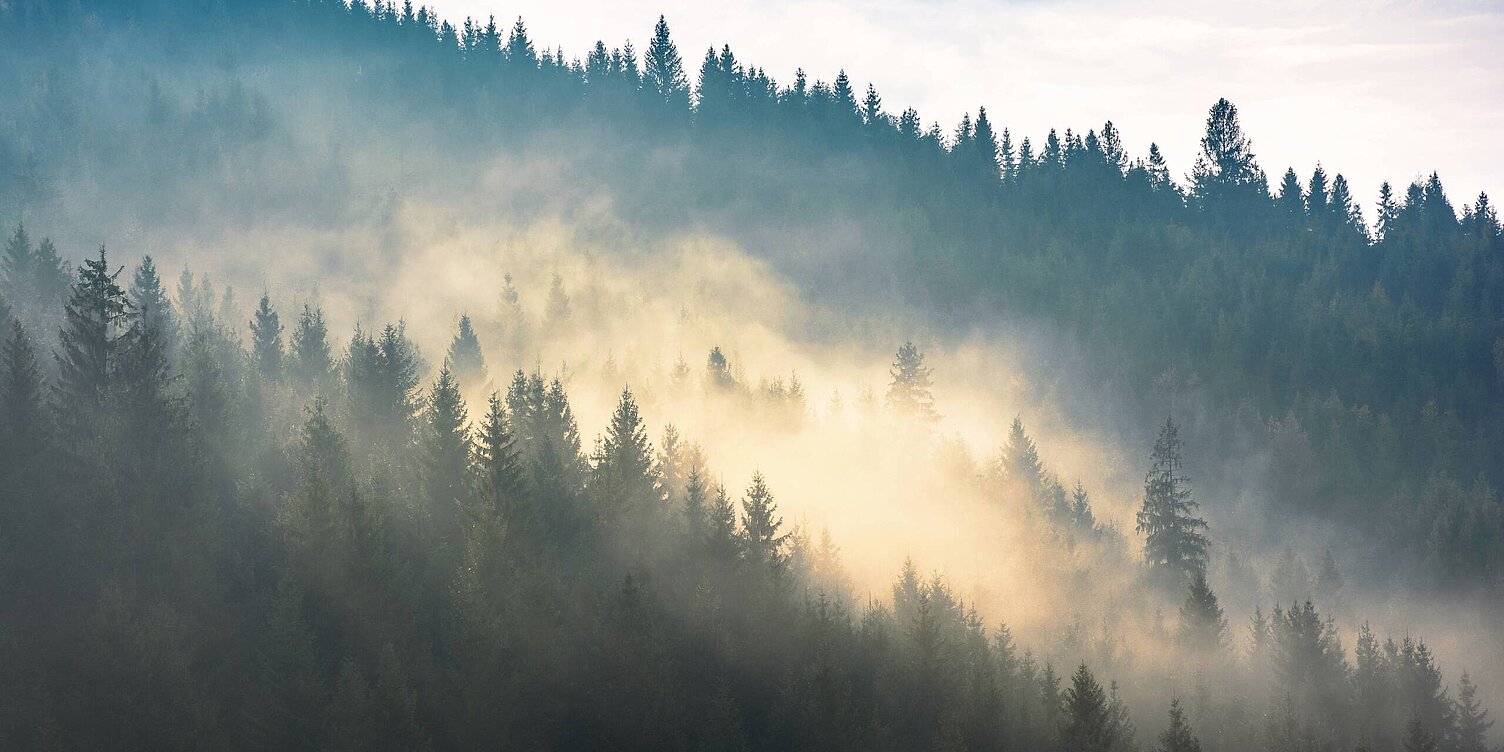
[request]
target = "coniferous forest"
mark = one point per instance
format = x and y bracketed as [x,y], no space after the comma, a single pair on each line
[375,381]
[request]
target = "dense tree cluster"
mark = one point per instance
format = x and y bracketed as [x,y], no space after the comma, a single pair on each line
[217,535]
[1369,352]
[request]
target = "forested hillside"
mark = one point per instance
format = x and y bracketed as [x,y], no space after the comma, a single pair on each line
[227,526]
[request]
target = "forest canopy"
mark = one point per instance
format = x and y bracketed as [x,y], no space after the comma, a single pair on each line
[318,519]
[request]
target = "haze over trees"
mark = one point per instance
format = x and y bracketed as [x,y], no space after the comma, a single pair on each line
[254,527]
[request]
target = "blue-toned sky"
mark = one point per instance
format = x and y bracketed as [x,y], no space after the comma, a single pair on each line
[1375,90]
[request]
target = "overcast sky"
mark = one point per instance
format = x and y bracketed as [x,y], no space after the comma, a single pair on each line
[1375,90]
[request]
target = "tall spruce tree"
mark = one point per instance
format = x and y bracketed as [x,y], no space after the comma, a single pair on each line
[465,355]
[312,358]
[1087,722]
[909,390]
[447,455]
[1202,625]
[266,341]
[96,315]
[663,69]
[1178,737]
[1470,734]
[1174,544]
[153,309]
[762,539]
[498,465]
[624,479]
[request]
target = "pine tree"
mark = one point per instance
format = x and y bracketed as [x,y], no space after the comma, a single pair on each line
[1178,737]
[498,462]
[1023,472]
[872,108]
[909,391]
[25,431]
[312,361]
[1471,729]
[721,541]
[266,341]
[16,267]
[694,508]
[762,543]
[150,414]
[465,355]
[519,51]
[1291,200]
[1202,626]
[1388,210]
[1418,739]
[664,70]
[1174,546]
[152,307]
[1225,172]
[90,340]
[624,479]
[984,147]
[557,314]
[446,451]
[718,371]
[1088,723]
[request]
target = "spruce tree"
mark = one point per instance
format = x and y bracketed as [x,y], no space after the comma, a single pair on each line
[721,541]
[909,390]
[1472,723]
[266,341]
[1088,723]
[25,430]
[1202,626]
[498,463]
[1022,470]
[312,360]
[1418,739]
[96,314]
[153,309]
[1174,545]
[718,371]
[762,543]
[663,69]
[1178,737]
[624,479]
[465,355]
[1225,174]
[446,452]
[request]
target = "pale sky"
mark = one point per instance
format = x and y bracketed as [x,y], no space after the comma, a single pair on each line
[1375,90]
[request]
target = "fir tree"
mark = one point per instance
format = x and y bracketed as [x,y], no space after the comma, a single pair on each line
[718,371]
[1088,723]
[153,309]
[624,478]
[1471,729]
[266,341]
[1178,737]
[1225,172]
[762,543]
[663,69]
[498,463]
[25,429]
[446,453]
[909,391]
[1202,626]
[465,356]
[312,362]
[90,339]
[1174,546]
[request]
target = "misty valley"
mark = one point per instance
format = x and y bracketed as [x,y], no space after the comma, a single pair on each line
[375,379]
